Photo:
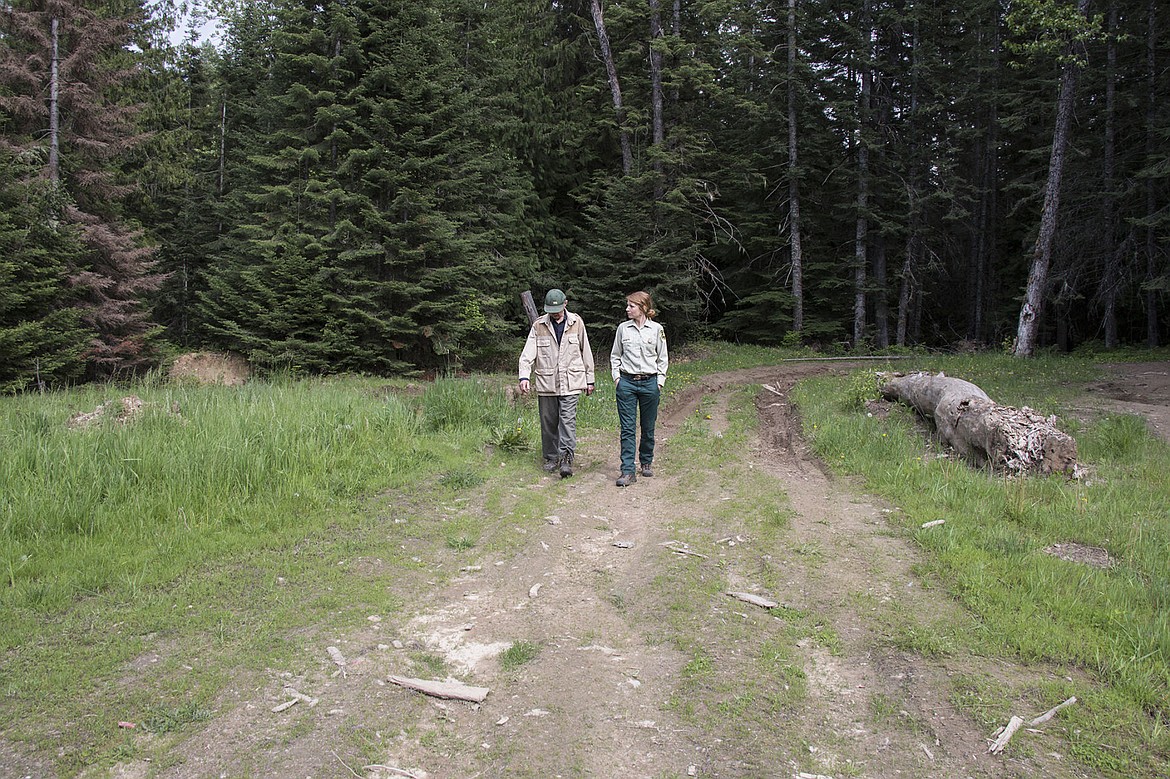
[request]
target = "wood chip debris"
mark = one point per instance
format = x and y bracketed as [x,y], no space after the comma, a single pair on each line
[773,390]
[675,547]
[755,600]
[1004,735]
[338,658]
[450,689]
[393,771]
[624,544]
[297,697]
[934,523]
[534,590]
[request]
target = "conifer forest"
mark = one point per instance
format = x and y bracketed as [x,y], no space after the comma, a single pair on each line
[329,186]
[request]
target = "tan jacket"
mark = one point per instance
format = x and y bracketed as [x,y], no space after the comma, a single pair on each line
[561,369]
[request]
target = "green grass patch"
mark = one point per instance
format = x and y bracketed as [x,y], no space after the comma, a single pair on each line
[147,565]
[1027,604]
[519,654]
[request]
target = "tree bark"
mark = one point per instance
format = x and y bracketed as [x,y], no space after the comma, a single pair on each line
[614,87]
[881,306]
[983,432]
[912,239]
[860,257]
[1152,146]
[1033,307]
[657,123]
[658,127]
[54,101]
[1111,272]
[793,181]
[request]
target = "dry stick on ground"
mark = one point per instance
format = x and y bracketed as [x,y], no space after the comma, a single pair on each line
[688,552]
[391,769]
[1052,712]
[451,690]
[1015,723]
[755,600]
[347,768]
[982,431]
[1006,735]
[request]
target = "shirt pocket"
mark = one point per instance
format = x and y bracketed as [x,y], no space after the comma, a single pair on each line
[543,342]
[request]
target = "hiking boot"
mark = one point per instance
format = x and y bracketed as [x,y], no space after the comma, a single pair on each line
[647,471]
[566,466]
[626,479]
[551,465]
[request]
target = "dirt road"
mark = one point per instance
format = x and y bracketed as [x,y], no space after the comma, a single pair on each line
[626,681]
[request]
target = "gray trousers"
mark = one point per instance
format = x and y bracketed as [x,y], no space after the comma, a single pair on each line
[558,425]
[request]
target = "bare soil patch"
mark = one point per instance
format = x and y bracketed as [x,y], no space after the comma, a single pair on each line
[230,370]
[1139,388]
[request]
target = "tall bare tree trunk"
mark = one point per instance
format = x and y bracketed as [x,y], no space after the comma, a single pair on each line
[614,87]
[861,237]
[1151,150]
[793,181]
[222,146]
[1112,271]
[1037,287]
[907,286]
[54,101]
[658,127]
[656,37]
[881,306]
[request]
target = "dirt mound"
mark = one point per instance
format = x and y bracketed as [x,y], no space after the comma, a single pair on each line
[225,368]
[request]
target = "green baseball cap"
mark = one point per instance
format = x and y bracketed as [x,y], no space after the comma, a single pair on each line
[554,302]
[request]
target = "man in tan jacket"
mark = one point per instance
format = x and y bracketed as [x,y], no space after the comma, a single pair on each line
[558,350]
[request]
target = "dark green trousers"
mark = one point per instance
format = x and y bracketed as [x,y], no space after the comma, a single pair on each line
[637,398]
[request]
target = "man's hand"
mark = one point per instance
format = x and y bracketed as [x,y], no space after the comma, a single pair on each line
[589,390]
[523,386]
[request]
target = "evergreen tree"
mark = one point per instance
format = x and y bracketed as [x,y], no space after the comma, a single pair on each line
[77,57]
[372,171]
[40,335]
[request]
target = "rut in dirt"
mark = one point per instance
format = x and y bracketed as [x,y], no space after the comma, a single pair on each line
[600,698]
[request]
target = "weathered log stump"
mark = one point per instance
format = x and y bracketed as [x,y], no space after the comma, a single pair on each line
[983,432]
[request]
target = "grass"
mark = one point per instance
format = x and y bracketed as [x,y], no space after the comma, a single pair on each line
[1033,607]
[221,531]
[518,654]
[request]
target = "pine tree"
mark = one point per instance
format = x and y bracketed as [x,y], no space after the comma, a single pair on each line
[76,57]
[371,173]
[40,335]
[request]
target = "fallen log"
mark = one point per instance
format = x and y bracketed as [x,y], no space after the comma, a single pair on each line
[983,432]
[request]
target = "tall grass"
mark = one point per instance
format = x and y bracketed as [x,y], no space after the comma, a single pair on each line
[205,472]
[1114,622]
